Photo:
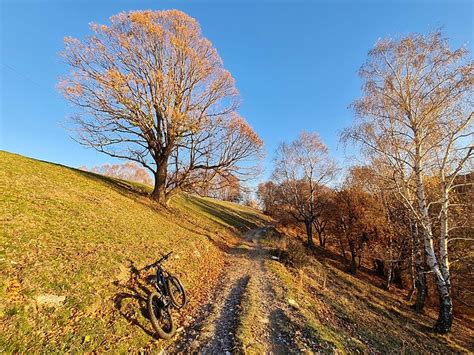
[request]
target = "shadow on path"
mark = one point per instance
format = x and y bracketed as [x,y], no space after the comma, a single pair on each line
[226,324]
[282,333]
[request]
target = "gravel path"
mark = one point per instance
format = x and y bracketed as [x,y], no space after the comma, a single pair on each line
[213,332]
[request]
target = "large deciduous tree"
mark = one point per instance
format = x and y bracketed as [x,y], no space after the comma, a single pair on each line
[302,168]
[416,116]
[153,90]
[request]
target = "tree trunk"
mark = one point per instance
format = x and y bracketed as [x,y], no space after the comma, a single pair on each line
[379,267]
[420,284]
[445,315]
[343,251]
[411,292]
[159,191]
[353,258]
[412,262]
[309,233]
[422,292]
[397,275]
[444,230]
[353,264]
[320,229]
[322,240]
[388,279]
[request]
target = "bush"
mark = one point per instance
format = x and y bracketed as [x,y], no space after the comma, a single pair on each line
[295,254]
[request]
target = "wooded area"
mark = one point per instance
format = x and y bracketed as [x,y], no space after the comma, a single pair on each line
[408,206]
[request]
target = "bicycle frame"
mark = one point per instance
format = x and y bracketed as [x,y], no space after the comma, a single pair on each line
[161,285]
[160,281]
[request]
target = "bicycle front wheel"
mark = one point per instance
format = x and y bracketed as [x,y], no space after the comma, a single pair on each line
[160,316]
[176,292]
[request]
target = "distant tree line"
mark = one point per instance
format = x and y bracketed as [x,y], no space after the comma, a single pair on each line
[128,171]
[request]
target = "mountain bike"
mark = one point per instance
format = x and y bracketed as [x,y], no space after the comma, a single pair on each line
[169,293]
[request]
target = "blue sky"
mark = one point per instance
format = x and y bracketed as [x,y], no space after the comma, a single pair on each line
[295,62]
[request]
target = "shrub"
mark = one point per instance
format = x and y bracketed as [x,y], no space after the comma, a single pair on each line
[295,254]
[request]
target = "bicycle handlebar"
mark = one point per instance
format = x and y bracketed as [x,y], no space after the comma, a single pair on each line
[163,258]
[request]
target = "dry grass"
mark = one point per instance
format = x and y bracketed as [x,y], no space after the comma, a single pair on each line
[351,315]
[75,234]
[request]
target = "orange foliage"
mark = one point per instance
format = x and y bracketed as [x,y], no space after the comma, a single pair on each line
[153,90]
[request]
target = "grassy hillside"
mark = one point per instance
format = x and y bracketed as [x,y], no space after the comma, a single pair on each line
[70,233]
[349,314]
[73,234]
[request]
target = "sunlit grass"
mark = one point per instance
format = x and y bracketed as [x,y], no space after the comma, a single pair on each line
[72,233]
[250,317]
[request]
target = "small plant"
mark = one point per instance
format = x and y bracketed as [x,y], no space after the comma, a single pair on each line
[13,311]
[295,254]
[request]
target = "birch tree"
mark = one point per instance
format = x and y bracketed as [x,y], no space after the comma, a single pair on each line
[302,167]
[416,116]
[151,89]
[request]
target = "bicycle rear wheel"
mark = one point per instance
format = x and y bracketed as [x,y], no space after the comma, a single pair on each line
[160,316]
[176,292]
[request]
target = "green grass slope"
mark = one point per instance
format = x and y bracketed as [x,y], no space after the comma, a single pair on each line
[70,233]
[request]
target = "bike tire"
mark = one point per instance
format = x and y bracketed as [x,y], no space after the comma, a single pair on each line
[160,314]
[176,289]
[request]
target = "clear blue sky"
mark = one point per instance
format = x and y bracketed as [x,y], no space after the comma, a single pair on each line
[295,62]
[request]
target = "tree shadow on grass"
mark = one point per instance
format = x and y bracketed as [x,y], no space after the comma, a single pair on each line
[126,188]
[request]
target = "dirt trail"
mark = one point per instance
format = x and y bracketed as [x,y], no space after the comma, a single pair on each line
[215,329]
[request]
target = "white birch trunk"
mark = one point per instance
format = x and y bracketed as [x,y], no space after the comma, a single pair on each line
[445,316]
[444,231]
